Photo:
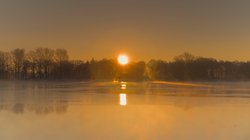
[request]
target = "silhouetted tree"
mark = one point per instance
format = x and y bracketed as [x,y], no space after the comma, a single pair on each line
[9,68]
[185,57]
[18,59]
[158,70]
[2,65]
[61,59]
[32,63]
[103,70]
[44,60]
[136,71]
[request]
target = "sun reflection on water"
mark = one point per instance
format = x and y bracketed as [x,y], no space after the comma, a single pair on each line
[123,85]
[123,99]
[123,96]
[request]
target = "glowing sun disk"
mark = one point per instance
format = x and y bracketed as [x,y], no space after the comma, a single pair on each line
[123,59]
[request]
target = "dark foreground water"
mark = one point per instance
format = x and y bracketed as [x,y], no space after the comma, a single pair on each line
[110,111]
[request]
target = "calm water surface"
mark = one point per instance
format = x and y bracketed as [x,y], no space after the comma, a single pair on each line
[140,111]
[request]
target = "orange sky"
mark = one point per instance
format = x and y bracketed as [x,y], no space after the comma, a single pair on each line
[143,29]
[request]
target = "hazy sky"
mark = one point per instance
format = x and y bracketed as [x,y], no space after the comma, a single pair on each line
[144,29]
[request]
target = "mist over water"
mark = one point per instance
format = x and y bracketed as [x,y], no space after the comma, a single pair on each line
[111,110]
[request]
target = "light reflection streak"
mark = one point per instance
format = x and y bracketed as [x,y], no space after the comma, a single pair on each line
[123,85]
[123,99]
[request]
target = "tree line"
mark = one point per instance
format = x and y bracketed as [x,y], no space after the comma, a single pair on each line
[54,64]
[50,64]
[187,67]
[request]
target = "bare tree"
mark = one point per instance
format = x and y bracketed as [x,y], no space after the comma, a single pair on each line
[18,59]
[2,65]
[44,58]
[9,66]
[32,63]
[61,55]
[185,57]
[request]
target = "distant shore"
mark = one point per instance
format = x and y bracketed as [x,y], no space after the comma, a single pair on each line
[44,64]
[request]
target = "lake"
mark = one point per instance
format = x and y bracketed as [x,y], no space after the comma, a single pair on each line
[124,111]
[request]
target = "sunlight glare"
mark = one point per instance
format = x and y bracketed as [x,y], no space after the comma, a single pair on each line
[123,59]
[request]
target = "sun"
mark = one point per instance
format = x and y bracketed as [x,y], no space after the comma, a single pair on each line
[123,59]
